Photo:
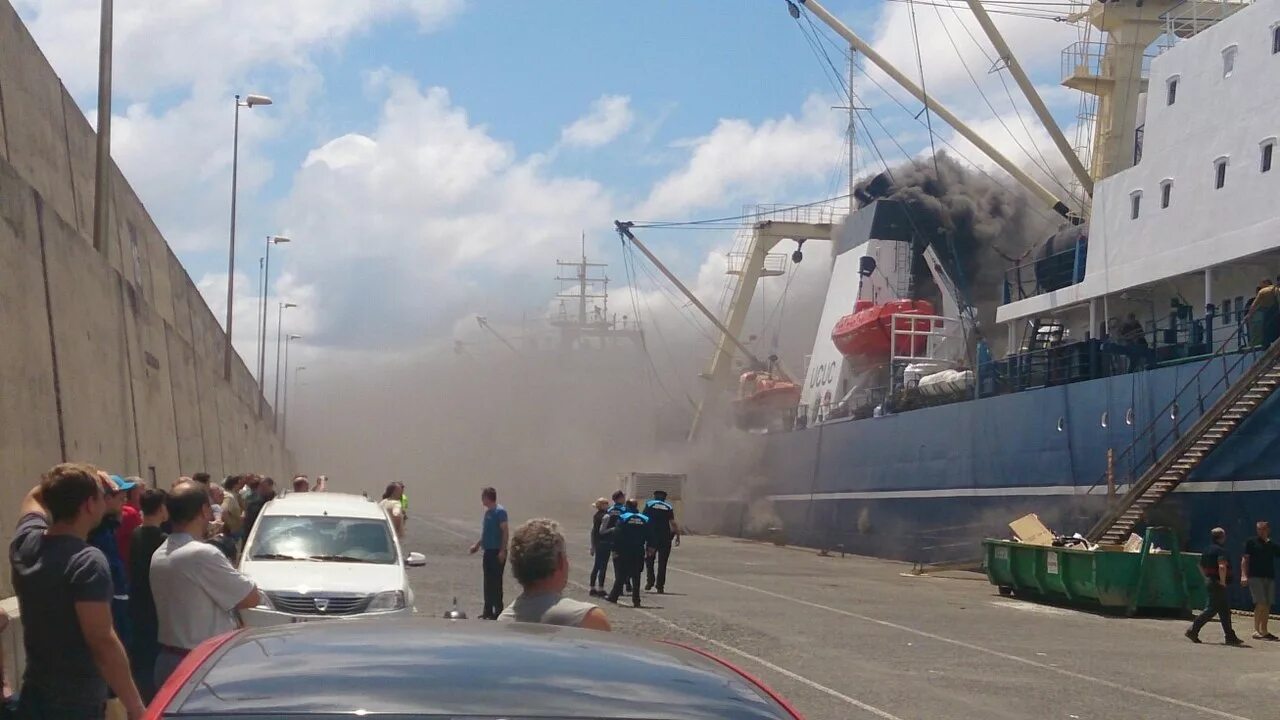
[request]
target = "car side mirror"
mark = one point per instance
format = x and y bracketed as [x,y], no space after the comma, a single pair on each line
[415,559]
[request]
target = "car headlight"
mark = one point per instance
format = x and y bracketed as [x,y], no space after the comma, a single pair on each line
[390,600]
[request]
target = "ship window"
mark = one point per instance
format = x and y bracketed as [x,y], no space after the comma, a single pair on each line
[1104,422]
[1275,39]
[1268,149]
[1173,411]
[1128,416]
[1171,91]
[1135,204]
[1229,61]
[1219,173]
[1166,191]
[1062,423]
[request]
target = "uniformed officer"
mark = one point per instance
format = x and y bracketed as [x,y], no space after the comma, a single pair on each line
[631,542]
[665,530]
[608,530]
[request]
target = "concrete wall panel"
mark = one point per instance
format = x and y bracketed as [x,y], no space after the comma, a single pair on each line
[186,401]
[207,383]
[82,149]
[28,410]
[89,329]
[152,389]
[35,127]
[181,290]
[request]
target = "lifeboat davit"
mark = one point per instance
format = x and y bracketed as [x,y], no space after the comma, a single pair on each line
[864,335]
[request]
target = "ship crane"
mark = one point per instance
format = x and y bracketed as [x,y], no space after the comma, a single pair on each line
[484,323]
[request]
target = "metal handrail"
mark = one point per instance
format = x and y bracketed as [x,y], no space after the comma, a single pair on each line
[1195,379]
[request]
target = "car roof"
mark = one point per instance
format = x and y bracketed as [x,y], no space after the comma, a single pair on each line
[324,503]
[425,667]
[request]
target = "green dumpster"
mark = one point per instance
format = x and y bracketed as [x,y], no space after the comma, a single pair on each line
[1108,579]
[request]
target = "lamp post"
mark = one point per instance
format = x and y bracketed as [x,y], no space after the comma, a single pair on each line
[284,428]
[262,304]
[102,177]
[279,326]
[249,101]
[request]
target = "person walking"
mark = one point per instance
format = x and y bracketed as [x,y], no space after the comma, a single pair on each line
[194,586]
[609,527]
[665,531]
[1216,566]
[64,594]
[601,549]
[142,606]
[494,533]
[541,566]
[1258,573]
[390,504]
[631,542]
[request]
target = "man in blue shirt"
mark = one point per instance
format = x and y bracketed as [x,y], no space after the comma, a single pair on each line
[493,540]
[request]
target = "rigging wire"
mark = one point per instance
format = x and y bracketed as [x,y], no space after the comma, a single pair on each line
[1042,164]
[928,114]
[628,262]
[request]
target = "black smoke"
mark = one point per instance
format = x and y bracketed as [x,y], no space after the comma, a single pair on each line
[980,228]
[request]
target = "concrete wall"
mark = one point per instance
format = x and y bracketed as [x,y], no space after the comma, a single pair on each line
[107,356]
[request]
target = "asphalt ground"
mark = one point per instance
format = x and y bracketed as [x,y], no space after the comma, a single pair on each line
[858,637]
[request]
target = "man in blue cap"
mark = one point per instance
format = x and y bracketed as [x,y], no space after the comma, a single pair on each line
[115,490]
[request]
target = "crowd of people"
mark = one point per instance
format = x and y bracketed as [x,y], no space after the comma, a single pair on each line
[117,581]
[637,541]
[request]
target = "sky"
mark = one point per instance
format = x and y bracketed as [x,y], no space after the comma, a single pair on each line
[431,159]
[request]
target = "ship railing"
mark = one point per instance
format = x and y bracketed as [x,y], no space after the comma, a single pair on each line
[1192,17]
[813,214]
[1045,274]
[1088,59]
[1167,424]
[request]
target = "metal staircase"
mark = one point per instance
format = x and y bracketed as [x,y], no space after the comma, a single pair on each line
[1216,424]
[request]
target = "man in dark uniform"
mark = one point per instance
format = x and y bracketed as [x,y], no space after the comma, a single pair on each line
[665,531]
[1216,567]
[608,531]
[631,542]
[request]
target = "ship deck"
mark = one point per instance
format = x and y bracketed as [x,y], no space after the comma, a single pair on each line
[853,637]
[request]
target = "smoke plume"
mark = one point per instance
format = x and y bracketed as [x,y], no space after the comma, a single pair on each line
[978,226]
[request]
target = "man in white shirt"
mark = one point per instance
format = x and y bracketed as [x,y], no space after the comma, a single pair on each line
[195,588]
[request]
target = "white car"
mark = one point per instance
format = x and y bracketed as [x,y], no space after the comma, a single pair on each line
[318,556]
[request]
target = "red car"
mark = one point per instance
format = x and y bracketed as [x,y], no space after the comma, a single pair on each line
[425,668]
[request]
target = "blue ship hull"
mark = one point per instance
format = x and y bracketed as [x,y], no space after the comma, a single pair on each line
[927,485]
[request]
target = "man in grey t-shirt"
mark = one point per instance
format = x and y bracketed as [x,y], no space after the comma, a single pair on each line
[541,566]
[64,594]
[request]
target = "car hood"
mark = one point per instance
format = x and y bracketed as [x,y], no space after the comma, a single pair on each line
[307,576]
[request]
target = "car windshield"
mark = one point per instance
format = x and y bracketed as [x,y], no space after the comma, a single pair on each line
[323,539]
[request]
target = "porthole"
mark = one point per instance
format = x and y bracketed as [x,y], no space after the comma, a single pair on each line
[1128,416]
[1062,424]
[1173,412]
[1104,422]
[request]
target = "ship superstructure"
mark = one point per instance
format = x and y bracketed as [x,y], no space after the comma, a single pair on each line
[1122,379]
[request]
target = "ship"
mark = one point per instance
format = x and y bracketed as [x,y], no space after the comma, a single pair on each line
[1118,381]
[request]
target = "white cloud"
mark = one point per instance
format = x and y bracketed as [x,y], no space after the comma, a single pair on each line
[739,160]
[162,45]
[427,217]
[610,116]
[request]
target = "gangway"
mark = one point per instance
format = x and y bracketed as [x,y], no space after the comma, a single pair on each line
[1240,400]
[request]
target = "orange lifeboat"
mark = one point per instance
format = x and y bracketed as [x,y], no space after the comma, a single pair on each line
[864,335]
[763,398]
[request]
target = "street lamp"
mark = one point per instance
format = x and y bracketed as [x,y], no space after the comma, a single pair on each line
[283,417]
[102,178]
[262,308]
[279,326]
[297,373]
[249,101]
